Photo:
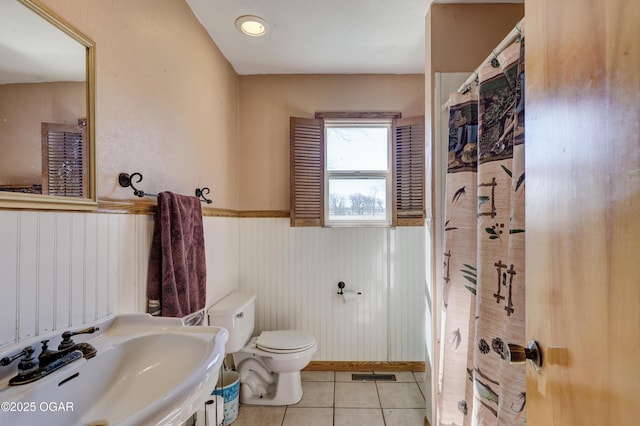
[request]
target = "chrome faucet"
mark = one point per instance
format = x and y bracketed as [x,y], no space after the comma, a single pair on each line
[31,369]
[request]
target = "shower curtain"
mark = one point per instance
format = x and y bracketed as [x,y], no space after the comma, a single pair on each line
[484,288]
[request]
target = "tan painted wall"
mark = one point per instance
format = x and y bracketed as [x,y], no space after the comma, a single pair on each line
[167,100]
[267,102]
[23,107]
[169,105]
[463,35]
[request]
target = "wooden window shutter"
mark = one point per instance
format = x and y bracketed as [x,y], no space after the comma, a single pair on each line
[408,176]
[307,171]
[64,160]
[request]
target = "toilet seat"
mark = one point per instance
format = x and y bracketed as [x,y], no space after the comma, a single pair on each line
[285,341]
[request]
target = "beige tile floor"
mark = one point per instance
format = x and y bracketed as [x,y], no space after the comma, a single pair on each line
[332,398]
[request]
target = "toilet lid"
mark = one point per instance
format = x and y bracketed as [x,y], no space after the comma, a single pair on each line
[283,341]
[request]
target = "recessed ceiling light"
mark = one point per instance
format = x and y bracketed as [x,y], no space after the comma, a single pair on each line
[251,25]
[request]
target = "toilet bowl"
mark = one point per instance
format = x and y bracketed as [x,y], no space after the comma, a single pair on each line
[269,364]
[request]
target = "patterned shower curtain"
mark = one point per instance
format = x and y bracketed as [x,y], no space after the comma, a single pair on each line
[484,270]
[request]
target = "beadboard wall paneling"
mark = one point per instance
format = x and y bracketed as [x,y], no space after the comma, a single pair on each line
[27,276]
[407,300]
[142,249]
[295,272]
[62,270]
[8,276]
[128,261]
[57,271]
[62,267]
[264,268]
[222,247]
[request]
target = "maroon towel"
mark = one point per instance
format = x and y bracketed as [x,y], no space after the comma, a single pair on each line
[176,285]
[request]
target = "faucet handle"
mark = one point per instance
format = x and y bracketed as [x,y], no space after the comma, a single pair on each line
[27,364]
[89,330]
[66,336]
[9,359]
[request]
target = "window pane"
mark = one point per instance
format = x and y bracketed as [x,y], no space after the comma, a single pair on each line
[357,148]
[357,199]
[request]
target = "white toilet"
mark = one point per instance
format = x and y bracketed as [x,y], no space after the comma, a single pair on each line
[269,365]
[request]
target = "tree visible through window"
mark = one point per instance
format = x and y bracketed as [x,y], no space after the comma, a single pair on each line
[358,172]
[357,169]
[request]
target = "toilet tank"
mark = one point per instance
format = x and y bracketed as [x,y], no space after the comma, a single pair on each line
[236,313]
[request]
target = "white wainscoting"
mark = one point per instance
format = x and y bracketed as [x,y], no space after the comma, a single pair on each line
[221,246]
[407,300]
[295,272]
[63,270]
[57,270]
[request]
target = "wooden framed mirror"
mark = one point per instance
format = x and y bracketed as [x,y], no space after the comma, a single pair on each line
[47,110]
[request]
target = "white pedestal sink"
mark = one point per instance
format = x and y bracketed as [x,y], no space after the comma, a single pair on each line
[147,371]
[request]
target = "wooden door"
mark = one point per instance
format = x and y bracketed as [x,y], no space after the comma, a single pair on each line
[583,210]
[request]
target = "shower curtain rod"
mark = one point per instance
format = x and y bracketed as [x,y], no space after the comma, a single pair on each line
[515,33]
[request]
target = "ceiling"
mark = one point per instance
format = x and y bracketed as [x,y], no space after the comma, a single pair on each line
[305,37]
[322,37]
[319,37]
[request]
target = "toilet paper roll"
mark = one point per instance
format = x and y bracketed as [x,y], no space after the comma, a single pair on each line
[200,420]
[349,296]
[214,411]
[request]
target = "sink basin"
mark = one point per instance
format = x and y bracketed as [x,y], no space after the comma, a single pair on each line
[147,370]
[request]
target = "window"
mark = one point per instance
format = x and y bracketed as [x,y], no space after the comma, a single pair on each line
[328,167]
[64,159]
[358,172]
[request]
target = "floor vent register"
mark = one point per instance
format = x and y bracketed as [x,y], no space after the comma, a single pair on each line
[374,377]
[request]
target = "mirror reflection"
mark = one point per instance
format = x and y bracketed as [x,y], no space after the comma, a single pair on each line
[45,128]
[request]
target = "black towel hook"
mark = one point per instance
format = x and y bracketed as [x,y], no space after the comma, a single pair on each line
[200,193]
[124,179]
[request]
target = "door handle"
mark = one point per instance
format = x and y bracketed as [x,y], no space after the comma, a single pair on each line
[516,354]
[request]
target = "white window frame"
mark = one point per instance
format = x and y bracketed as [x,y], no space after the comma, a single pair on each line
[360,174]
